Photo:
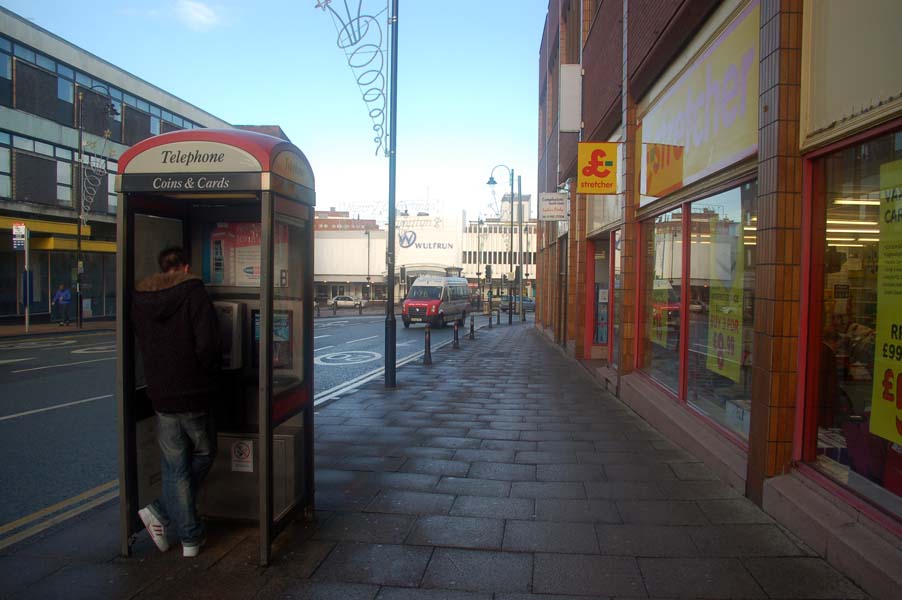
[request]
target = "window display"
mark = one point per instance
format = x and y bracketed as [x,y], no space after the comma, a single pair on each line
[723,238]
[859,410]
[662,274]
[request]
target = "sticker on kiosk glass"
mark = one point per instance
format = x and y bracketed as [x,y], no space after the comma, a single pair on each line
[886,400]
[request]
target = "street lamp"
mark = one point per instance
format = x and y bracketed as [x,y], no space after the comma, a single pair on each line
[82,187]
[510,295]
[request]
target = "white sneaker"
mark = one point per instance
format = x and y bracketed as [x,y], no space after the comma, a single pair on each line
[155,529]
[192,551]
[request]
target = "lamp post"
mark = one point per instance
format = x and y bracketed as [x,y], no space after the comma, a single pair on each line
[510,296]
[82,216]
[520,246]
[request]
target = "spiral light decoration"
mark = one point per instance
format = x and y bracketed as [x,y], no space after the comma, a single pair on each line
[360,37]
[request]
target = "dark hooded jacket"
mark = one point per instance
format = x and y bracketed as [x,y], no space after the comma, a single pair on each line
[178,336]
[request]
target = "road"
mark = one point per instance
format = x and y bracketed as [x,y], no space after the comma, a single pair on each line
[58,412]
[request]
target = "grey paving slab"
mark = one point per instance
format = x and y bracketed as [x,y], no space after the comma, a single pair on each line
[545,597]
[284,588]
[570,472]
[587,575]
[516,445]
[692,471]
[383,564]
[645,540]
[436,467]
[548,536]
[639,472]
[735,510]
[410,503]
[457,532]
[503,456]
[801,577]
[404,481]
[366,527]
[454,443]
[503,471]
[697,490]
[539,458]
[624,490]
[293,559]
[479,570]
[546,489]
[388,593]
[743,540]
[465,486]
[494,434]
[499,508]
[19,572]
[661,512]
[584,511]
[370,463]
[698,578]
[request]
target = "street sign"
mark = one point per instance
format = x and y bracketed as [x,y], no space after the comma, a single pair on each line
[20,231]
[553,206]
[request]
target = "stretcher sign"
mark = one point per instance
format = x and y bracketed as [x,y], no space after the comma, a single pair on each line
[597,172]
[886,400]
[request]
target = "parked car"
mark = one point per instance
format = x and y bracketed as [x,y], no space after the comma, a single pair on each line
[529,304]
[347,302]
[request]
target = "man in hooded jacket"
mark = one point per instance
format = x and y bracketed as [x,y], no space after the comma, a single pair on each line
[178,337]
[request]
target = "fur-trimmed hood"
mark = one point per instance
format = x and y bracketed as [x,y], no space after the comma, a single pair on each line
[159,296]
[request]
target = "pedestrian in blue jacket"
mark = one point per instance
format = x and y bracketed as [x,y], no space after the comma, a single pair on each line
[62,298]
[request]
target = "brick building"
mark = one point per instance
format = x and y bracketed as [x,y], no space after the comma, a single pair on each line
[729,291]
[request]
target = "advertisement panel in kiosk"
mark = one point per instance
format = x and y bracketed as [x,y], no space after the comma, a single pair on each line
[240,203]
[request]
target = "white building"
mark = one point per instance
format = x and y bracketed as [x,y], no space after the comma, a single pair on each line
[350,253]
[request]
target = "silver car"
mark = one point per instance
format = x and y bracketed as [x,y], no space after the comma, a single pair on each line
[347,302]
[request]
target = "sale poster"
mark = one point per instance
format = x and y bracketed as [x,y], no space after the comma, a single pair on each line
[725,299]
[660,309]
[886,401]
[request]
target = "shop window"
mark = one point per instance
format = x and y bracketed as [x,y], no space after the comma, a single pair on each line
[721,309]
[35,179]
[5,170]
[36,90]
[64,183]
[859,350]
[602,296]
[662,285]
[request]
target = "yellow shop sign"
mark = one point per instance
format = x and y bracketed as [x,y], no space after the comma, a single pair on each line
[597,172]
[708,119]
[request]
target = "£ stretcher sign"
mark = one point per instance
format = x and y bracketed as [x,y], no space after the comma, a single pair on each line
[597,172]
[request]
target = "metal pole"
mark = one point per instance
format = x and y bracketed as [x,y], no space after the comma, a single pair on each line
[510,286]
[80,208]
[28,295]
[390,323]
[520,245]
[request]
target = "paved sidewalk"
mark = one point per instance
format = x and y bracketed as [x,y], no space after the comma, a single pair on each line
[43,329]
[501,471]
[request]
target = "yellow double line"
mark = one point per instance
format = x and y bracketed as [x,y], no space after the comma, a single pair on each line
[45,518]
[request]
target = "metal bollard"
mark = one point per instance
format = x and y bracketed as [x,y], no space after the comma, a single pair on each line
[490,320]
[360,309]
[498,315]
[317,310]
[473,327]
[335,309]
[455,344]
[427,355]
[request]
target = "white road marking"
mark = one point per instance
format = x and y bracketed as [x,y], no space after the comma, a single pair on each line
[36,344]
[323,348]
[372,337]
[14,360]
[40,410]
[95,349]
[316,337]
[81,362]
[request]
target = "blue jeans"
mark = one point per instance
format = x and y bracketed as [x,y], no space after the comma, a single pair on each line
[187,446]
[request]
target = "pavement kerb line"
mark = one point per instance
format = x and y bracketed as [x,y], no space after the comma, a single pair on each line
[43,334]
[57,519]
[330,395]
[23,521]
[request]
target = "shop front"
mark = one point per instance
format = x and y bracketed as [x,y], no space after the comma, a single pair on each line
[698,205]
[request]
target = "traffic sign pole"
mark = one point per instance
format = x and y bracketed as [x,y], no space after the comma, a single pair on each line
[27,284]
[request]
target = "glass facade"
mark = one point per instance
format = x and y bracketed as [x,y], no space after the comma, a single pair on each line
[721,306]
[662,274]
[859,354]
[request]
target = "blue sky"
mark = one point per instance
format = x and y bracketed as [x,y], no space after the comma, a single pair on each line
[467,91]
